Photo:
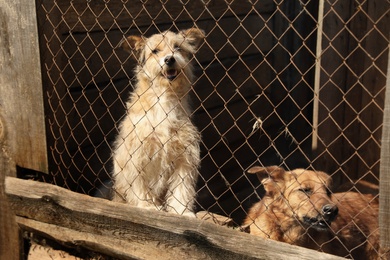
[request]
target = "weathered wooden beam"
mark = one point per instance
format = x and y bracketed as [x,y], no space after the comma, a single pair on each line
[9,233]
[21,93]
[384,182]
[122,231]
[22,130]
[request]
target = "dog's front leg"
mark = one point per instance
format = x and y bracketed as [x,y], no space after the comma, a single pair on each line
[181,193]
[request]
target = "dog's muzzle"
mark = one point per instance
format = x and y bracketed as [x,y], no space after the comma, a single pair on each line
[170,72]
[328,213]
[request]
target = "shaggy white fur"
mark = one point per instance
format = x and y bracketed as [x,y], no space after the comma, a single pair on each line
[156,156]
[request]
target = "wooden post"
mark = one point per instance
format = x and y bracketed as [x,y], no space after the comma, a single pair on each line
[9,241]
[22,131]
[21,102]
[384,183]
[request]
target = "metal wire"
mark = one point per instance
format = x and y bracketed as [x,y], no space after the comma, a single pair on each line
[254,99]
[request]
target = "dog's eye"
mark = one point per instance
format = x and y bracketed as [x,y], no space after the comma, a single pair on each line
[155,51]
[307,191]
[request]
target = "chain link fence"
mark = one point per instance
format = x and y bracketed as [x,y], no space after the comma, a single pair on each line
[287,83]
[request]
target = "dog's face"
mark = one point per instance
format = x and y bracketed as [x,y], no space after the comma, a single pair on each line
[301,194]
[165,55]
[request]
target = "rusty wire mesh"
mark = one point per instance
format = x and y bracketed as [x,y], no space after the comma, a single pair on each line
[266,91]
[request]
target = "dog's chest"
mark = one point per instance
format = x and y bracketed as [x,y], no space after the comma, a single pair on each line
[158,125]
[160,131]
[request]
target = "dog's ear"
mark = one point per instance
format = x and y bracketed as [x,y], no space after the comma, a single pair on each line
[269,177]
[194,36]
[274,172]
[133,44]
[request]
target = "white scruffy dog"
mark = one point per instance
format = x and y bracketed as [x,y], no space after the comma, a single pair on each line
[156,156]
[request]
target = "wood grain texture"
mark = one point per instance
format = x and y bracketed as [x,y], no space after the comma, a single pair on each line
[22,134]
[126,232]
[21,103]
[9,237]
[81,16]
[353,65]
[384,182]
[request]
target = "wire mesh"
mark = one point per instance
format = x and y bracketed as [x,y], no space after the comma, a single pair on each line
[288,83]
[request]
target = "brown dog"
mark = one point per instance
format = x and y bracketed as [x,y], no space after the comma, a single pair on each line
[299,209]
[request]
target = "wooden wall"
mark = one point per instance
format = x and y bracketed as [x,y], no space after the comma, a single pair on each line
[243,74]
[252,65]
[256,65]
[354,55]
[384,183]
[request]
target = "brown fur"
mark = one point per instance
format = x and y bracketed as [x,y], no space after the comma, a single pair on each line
[292,211]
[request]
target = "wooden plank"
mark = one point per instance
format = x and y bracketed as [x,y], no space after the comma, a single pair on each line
[294,57]
[372,80]
[9,232]
[21,104]
[331,107]
[95,57]
[22,132]
[353,62]
[58,104]
[384,183]
[81,16]
[364,86]
[127,232]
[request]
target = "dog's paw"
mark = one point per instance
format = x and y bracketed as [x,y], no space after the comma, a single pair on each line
[189,214]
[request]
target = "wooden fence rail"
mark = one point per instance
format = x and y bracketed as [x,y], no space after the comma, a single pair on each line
[125,232]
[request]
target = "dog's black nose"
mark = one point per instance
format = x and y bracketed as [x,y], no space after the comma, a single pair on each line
[330,211]
[169,60]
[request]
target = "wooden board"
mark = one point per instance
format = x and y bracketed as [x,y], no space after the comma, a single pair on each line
[21,103]
[9,232]
[83,16]
[126,232]
[384,184]
[22,131]
[353,63]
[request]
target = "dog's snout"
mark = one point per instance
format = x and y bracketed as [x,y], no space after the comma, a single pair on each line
[169,60]
[330,211]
